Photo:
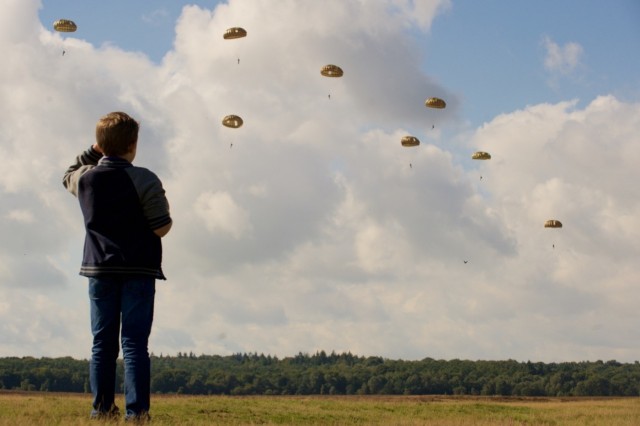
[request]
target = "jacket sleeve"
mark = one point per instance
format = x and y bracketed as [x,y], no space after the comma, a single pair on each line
[84,162]
[152,196]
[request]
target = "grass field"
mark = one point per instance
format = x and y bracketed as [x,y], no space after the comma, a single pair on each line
[34,408]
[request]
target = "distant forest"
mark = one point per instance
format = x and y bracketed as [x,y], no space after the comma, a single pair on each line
[337,374]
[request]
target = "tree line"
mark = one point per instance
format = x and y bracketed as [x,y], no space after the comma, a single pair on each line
[337,374]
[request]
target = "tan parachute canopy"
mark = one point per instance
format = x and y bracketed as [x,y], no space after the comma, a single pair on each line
[552,223]
[331,71]
[65,26]
[435,103]
[232,121]
[235,32]
[410,141]
[480,155]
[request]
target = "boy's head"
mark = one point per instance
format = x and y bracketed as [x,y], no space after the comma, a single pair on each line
[117,134]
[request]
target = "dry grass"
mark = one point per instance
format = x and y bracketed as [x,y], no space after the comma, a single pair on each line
[34,408]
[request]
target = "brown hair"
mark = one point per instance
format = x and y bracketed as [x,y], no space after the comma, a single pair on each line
[116,132]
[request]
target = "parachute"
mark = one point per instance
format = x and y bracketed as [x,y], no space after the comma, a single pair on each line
[435,103]
[232,121]
[331,71]
[480,155]
[235,32]
[552,223]
[65,26]
[410,141]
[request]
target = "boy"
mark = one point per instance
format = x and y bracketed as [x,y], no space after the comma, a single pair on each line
[125,215]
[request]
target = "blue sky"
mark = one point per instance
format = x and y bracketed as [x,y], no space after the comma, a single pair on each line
[310,227]
[144,26]
[493,52]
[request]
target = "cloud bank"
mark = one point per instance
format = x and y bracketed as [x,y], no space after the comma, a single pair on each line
[310,227]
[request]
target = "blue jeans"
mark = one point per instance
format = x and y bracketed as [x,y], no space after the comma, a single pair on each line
[131,300]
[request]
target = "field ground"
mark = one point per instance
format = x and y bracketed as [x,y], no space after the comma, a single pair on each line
[41,408]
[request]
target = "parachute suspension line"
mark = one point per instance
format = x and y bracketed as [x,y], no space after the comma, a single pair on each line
[235,33]
[436,103]
[331,71]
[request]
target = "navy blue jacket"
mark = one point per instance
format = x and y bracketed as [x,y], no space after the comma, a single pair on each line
[122,205]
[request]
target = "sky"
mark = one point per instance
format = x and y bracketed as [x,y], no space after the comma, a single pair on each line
[310,227]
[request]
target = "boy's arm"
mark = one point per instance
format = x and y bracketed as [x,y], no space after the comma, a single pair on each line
[156,208]
[153,199]
[162,231]
[84,162]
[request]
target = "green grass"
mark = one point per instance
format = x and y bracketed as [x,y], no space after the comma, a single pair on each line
[35,408]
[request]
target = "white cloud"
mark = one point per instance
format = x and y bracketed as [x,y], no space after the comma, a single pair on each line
[156,17]
[562,59]
[313,231]
[220,213]
[23,216]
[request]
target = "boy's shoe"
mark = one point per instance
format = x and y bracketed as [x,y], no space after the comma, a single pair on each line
[138,418]
[112,414]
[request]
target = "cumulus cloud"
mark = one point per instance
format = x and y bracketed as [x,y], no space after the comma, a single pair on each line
[220,213]
[310,227]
